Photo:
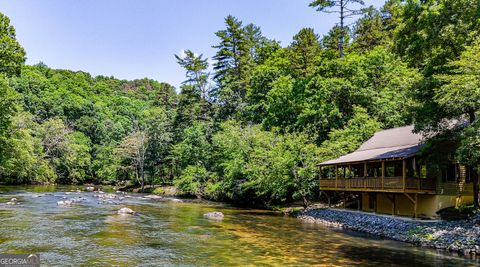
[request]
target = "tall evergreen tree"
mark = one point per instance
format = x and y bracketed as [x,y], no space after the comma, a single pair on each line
[345,10]
[305,52]
[235,59]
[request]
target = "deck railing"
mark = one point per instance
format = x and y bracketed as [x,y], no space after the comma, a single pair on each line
[387,183]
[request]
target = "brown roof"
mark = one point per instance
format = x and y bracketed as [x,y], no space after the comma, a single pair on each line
[399,142]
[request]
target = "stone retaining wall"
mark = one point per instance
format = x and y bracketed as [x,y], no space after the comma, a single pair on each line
[458,236]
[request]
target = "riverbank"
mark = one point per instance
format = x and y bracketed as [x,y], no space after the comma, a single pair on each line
[456,236]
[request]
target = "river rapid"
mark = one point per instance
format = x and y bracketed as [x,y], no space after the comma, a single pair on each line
[171,232]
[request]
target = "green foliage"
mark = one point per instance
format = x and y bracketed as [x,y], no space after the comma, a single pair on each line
[23,160]
[8,104]
[12,54]
[304,53]
[342,141]
[460,92]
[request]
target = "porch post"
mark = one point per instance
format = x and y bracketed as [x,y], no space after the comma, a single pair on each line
[415,207]
[365,170]
[383,172]
[336,175]
[393,205]
[404,172]
[365,175]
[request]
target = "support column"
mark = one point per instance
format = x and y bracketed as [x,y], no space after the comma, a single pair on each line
[404,172]
[415,206]
[365,170]
[392,200]
[383,173]
[336,176]
[393,205]
[414,200]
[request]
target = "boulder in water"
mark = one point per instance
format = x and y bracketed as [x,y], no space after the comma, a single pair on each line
[215,215]
[126,211]
[90,188]
[65,203]
[12,201]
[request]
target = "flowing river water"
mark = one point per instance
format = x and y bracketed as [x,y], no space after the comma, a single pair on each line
[169,232]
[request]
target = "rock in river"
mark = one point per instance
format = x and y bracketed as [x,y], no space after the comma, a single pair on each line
[12,201]
[127,211]
[65,203]
[153,197]
[215,215]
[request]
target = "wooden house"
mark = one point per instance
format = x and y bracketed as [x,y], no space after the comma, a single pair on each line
[388,174]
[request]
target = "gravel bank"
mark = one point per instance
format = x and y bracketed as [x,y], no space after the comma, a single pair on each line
[458,236]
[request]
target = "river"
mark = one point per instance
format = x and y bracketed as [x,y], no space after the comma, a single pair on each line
[168,232]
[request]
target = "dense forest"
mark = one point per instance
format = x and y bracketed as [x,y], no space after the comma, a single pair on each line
[252,127]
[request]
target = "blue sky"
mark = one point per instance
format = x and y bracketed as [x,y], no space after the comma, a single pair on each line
[137,39]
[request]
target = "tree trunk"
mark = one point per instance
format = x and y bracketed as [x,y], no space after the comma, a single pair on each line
[305,202]
[342,30]
[142,178]
[476,189]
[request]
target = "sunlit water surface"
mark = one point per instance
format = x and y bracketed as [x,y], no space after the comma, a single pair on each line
[175,233]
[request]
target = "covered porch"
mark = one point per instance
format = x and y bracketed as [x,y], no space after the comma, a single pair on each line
[393,175]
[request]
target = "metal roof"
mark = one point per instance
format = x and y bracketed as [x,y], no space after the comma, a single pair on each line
[399,142]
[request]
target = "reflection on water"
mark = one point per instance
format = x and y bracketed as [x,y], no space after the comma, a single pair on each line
[176,233]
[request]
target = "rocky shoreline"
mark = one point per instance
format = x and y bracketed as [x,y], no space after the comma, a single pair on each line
[456,236]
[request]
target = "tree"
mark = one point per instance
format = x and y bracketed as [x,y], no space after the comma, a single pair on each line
[370,31]
[428,35]
[196,72]
[345,11]
[67,151]
[160,137]
[195,96]
[8,106]
[133,150]
[12,54]
[235,59]
[22,158]
[460,92]
[305,51]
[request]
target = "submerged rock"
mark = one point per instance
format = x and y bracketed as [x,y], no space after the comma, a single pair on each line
[153,197]
[125,211]
[216,215]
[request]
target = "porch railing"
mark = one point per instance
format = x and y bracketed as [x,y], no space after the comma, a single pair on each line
[379,183]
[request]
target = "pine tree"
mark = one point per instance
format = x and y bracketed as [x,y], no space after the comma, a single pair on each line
[345,11]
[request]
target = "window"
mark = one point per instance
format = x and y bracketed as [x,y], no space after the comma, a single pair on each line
[394,169]
[422,171]
[374,170]
[450,173]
